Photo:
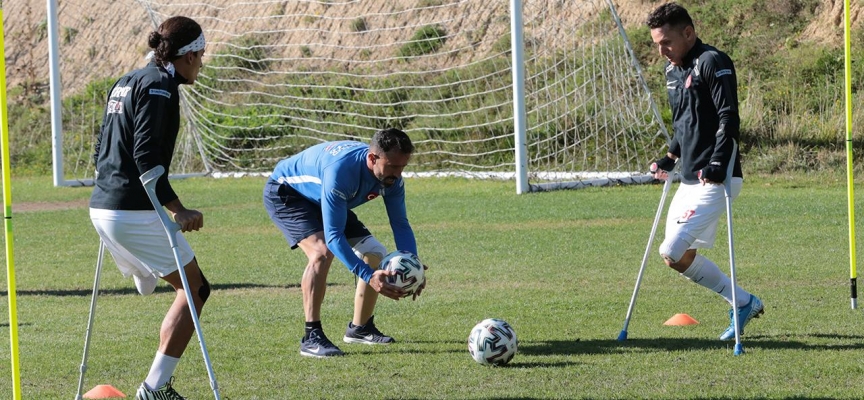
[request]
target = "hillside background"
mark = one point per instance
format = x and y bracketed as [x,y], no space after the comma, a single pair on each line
[84,42]
[788,54]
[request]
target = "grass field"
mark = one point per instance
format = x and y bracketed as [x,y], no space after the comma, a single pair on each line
[559,267]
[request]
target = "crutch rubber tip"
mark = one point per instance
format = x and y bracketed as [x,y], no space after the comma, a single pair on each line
[739,349]
[622,336]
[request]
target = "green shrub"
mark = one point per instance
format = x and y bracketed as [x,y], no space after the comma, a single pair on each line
[69,34]
[427,39]
[359,25]
[248,52]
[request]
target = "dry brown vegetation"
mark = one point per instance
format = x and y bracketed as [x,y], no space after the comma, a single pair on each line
[100,38]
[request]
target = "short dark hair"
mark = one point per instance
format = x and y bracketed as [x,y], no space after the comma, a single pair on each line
[172,35]
[672,14]
[390,139]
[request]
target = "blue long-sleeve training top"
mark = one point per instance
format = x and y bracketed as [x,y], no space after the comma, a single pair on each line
[334,175]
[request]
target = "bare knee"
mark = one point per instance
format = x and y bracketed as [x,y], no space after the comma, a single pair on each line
[677,254]
[677,265]
[319,257]
[199,287]
[682,263]
[319,260]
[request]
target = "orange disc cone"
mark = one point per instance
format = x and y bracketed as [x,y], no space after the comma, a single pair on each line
[681,319]
[103,392]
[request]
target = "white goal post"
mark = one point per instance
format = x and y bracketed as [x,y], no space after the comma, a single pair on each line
[281,75]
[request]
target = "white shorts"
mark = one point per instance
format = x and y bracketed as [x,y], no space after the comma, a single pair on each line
[138,243]
[695,210]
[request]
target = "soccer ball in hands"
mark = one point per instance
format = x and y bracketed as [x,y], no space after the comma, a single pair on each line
[409,270]
[492,342]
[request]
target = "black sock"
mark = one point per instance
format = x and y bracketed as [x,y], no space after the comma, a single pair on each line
[351,324]
[310,326]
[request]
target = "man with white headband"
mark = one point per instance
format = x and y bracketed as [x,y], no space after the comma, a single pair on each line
[139,132]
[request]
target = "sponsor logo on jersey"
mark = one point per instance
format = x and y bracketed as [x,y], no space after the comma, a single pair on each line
[114,107]
[371,196]
[160,92]
[689,81]
[339,194]
[121,91]
[336,148]
[723,72]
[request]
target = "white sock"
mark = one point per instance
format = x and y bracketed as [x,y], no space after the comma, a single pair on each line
[161,371]
[704,272]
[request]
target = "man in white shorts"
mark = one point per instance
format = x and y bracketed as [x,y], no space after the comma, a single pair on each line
[702,89]
[139,131]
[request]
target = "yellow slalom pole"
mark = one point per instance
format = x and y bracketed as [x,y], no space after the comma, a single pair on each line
[850,182]
[7,214]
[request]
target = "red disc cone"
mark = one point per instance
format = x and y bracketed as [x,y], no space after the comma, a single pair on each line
[103,392]
[681,319]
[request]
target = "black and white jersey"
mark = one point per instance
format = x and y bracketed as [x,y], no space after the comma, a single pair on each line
[139,131]
[704,100]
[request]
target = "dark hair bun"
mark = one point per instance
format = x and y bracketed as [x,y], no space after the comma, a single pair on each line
[154,39]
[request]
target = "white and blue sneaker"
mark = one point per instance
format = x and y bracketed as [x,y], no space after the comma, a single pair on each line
[366,334]
[317,345]
[753,309]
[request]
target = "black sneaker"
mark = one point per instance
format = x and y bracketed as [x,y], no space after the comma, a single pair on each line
[166,392]
[317,345]
[366,334]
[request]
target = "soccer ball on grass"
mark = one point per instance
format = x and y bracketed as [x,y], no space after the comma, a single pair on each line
[492,342]
[409,270]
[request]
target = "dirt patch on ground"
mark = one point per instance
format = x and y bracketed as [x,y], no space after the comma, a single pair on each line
[36,206]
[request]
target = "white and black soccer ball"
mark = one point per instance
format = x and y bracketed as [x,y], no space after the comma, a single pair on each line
[492,342]
[409,270]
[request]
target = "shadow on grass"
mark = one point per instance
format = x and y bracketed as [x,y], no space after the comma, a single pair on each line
[162,288]
[6,324]
[452,347]
[694,398]
[484,398]
[609,346]
[780,398]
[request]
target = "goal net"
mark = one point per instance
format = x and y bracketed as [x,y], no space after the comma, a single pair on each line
[282,75]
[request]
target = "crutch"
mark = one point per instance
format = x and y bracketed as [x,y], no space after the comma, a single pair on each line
[727,188]
[83,367]
[149,179]
[666,187]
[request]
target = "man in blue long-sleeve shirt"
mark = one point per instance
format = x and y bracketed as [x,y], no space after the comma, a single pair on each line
[702,88]
[309,197]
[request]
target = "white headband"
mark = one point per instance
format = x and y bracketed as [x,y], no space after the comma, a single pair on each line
[196,45]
